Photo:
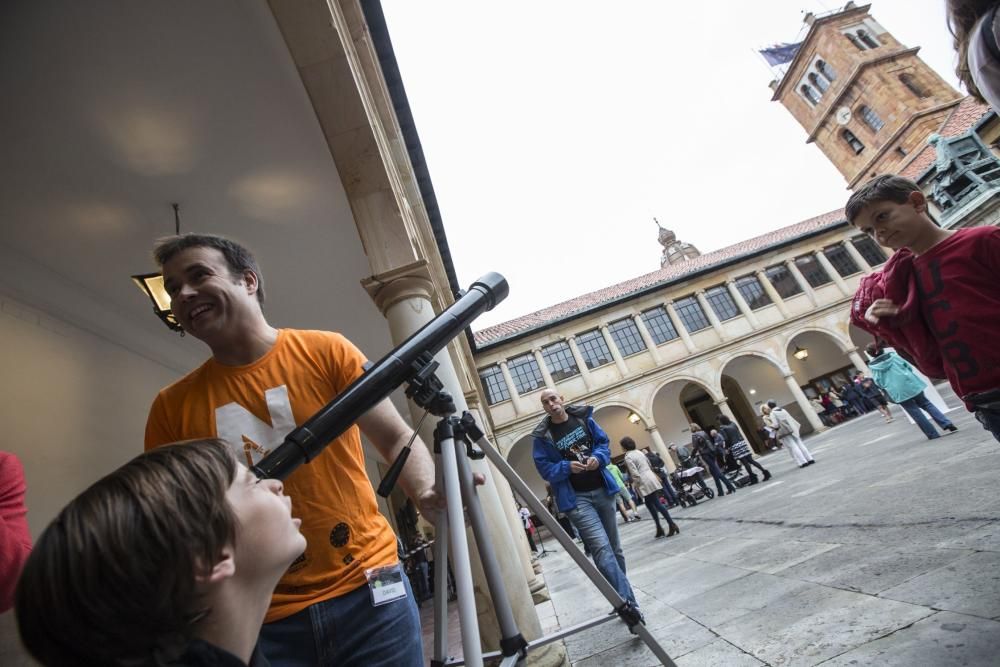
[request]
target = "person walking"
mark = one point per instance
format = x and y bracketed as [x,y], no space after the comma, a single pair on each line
[873,394]
[740,448]
[529,527]
[626,506]
[787,430]
[706,449]
[897,378]
[659,468]
[649,487]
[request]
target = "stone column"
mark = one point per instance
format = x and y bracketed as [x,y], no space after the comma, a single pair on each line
[615,354]
[804,404]
[801,280]
[859,260]
[723,405]
[742,304]
[647,338]
[404,296]
[832,271]
[580,362]
[679,326]
[515,398]
[546,375]
[858,362]
[710,313]
[661,447]
[771,292]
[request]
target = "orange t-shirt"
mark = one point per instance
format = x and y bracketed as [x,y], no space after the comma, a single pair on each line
[253,408]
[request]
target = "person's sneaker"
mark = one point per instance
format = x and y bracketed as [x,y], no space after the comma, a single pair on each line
[951,427]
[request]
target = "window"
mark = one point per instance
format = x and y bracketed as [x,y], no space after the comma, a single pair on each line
[853,39]
[626,336]
[867,39]
[841,260]
[870,251]
[525,373]
[870,118]
[593,348]
[783,280]
[722,302]
[559,358]
[818,82]
[852,141]
[809,94]
[496,388]
[825,70]
[913,85]
[661,328]
[691,314]
[812,270]
[753,292]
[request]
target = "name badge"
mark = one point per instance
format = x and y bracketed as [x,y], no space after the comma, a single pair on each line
[386,584]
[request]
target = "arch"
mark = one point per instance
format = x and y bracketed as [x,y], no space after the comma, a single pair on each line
[852,141]
[867,39]
[913,85]
[519,456]
[818,82]
[824,68]
[870,118]
[808,93]
[843,343]
[762,354]
[618,403]
[712,391]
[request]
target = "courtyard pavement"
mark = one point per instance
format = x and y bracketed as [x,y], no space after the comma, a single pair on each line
[886,552]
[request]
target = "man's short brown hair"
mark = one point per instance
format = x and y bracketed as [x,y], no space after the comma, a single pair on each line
[886,187]
[238,257]
[113,579]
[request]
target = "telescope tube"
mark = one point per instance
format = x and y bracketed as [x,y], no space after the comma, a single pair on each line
[305,442]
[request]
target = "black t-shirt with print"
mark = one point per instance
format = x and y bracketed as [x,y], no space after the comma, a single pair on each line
[573,441]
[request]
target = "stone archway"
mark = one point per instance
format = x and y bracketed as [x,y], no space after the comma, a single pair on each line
[825,361]
[677,403]
[615,421]
[520,459]
[749,380]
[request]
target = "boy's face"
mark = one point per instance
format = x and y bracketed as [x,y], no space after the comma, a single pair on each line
[268,538]
[894,225]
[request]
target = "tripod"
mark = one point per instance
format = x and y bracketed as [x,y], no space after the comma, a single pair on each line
[453,444]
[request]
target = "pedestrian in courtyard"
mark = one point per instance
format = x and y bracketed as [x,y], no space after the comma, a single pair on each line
[529,527]
[850,394]
[706,449]
[649,487]
[787,429]
[571,453]
[658,466]
[873,393]
[938,297]
[838,405]
[817,406]
[688,460]
[626,505]
[740,448]
[905,387]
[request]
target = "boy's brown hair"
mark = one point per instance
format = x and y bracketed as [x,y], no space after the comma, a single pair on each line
[887,187]
[113,579]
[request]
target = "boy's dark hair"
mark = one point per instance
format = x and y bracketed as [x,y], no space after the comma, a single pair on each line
[627,443]
[724,420]
[238,257]
[772,404]
[112,580]
[873,349]
[886,187]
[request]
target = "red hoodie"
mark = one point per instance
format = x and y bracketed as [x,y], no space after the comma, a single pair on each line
[949,317]
[15,540]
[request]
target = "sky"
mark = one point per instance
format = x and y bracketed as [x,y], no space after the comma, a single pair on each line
[555,131]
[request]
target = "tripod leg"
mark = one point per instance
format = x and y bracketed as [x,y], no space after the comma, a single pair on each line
[440,653]
[511,642]
[471,648]
[628,613]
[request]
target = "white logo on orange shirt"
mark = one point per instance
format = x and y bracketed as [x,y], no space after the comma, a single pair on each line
[251,437]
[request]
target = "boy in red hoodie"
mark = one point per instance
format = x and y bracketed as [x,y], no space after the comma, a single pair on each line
[938,297]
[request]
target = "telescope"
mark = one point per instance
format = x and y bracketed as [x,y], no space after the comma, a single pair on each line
[305,443]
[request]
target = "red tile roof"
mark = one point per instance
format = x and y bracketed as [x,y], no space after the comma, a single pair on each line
[663,276]
[962,117]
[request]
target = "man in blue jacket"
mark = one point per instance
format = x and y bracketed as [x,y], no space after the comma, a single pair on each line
[571,454]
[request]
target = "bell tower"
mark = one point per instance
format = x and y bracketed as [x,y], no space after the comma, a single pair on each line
[674,251]
[866,100]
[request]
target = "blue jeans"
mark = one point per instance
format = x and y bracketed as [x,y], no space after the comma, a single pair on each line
[913,407]
[594,519]
[717,475]
[347,630]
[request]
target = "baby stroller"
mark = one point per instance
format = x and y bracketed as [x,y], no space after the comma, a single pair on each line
[685,481]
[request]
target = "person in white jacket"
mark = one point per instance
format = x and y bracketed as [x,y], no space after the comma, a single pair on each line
[648,486]
[786,429]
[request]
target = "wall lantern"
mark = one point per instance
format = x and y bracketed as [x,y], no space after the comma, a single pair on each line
[151,285]
[800,353]
[634,418]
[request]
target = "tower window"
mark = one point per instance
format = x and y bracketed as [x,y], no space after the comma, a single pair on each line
[870,118]
[867,39]
[819,82]
[853,39]
[825,70]
[810,94]
[852,141]
[914,87]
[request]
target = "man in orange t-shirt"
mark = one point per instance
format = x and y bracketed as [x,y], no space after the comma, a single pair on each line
[259,384]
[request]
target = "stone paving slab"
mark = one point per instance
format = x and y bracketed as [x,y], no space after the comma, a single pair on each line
[869,568]
[752,593]
[719,653]
[673,579]
[678,638]
[970,585]
[759,555]
[816,623]
[945,639]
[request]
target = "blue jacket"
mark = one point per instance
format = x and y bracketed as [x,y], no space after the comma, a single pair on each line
[891,372]
[554,469]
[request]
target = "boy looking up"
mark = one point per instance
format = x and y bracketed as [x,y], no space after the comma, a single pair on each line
[938,297]
[169,560]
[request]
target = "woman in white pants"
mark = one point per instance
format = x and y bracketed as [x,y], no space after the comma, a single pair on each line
[787,430]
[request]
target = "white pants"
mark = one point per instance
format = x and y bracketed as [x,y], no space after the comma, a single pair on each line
[796,448]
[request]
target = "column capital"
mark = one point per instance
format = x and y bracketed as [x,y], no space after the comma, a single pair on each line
[537,349]
[700,292]
[502,363]
[722,401]
[787,374]
[650,427]
[390,287]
